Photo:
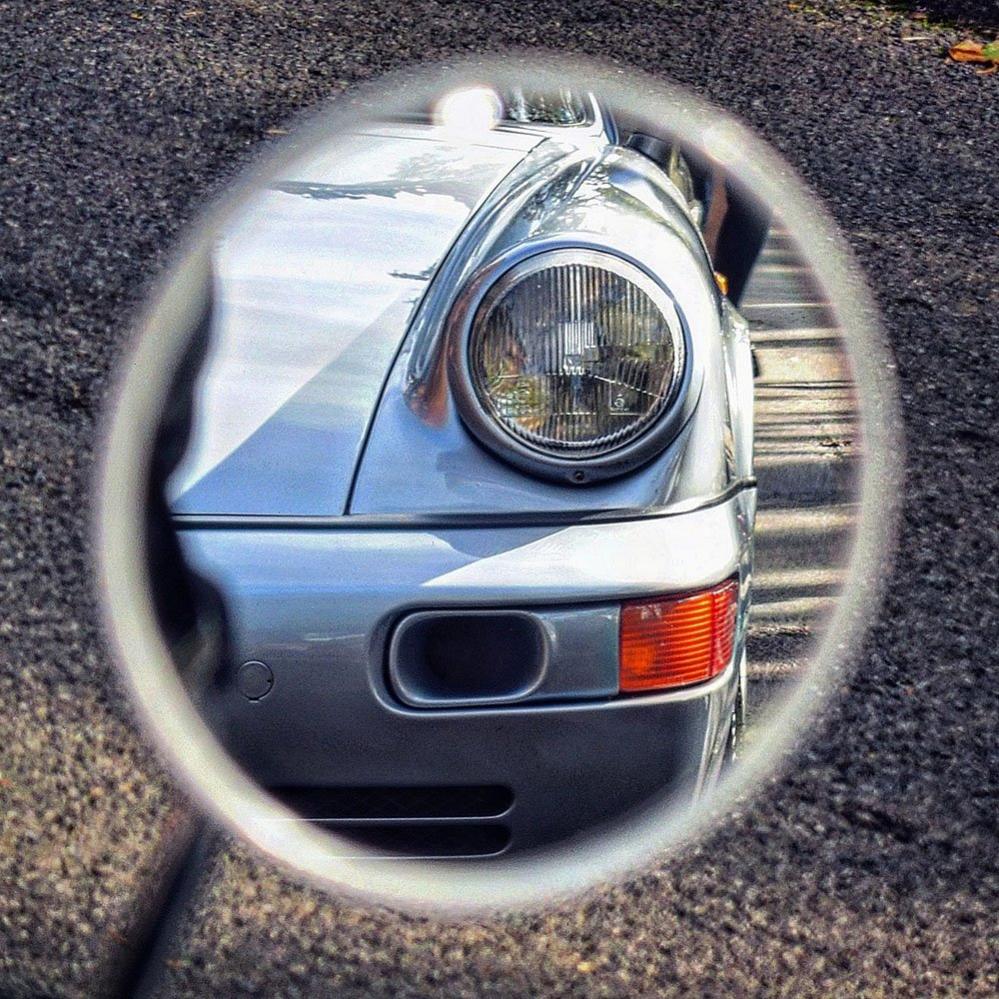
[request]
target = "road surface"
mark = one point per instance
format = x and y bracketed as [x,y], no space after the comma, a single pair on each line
[807,456]
[869,868]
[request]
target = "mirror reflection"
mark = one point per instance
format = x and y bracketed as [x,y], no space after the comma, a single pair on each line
[508,478]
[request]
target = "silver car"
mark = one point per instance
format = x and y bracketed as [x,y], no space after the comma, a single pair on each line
[464,481]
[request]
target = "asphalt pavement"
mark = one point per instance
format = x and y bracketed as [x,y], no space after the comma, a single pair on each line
[807,454]
[870,867]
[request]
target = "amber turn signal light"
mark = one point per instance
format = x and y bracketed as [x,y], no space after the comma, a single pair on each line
[677,641]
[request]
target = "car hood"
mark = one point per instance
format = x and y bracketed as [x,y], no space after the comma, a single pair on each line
[314,287]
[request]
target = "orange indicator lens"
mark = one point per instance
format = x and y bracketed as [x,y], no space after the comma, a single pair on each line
[677,641]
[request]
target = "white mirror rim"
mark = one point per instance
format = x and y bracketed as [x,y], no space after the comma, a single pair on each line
[467,887]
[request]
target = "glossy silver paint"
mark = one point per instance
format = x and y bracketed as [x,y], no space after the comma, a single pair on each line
[333,490]
[597,197]
[319,607]
[314,288]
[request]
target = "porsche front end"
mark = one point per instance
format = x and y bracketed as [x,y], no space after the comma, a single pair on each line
[470,472]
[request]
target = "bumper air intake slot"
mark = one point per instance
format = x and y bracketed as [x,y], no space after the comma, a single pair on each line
[429,822]
[428,840]
[325,803]
[467,658]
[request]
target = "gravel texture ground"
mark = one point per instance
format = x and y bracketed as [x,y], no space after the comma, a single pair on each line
[964,13]
[871,868]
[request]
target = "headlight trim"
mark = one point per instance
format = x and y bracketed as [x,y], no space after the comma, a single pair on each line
[501,274]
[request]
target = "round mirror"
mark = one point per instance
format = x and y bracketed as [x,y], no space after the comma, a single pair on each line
[498,481]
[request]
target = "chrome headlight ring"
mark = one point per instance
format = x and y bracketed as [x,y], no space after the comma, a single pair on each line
[574,462]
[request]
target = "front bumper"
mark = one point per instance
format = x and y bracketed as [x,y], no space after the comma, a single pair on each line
[319,606]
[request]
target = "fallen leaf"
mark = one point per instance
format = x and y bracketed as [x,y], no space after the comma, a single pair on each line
[585,967]
[969,51]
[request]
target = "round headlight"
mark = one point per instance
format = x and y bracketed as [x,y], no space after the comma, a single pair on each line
[575,353]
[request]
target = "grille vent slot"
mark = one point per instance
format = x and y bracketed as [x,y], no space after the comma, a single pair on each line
[410,821]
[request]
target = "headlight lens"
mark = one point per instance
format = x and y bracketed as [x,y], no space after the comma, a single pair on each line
[575,353]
